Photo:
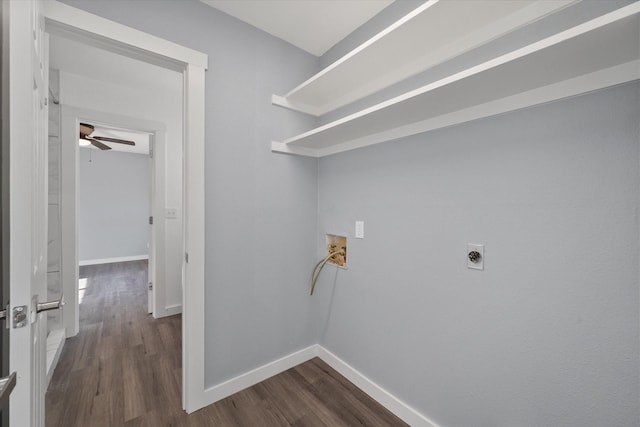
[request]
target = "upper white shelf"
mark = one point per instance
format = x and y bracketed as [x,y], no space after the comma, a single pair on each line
[434,32]
[599,53]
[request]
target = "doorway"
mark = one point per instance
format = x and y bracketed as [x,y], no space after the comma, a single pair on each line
[115,92]
[115,201]
[38,19]
[191,65]
[116,100]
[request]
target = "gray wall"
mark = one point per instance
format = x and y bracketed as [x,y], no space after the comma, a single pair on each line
[261,208]
[113,205]
[547,334]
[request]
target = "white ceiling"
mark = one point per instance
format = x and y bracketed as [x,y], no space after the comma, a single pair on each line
[312,25]
[140,138]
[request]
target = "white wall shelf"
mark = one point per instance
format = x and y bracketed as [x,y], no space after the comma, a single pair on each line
[431,34]
[599,53]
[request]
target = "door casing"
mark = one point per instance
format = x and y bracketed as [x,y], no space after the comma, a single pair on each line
[71,117]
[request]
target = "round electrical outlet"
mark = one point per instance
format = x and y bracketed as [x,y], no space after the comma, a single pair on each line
[474,257]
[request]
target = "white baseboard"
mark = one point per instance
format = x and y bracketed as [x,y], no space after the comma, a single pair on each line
[168,311]
[377,393]
[55,342]
[239,383]
[112,260]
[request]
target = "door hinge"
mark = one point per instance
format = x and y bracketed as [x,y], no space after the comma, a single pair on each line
[186,257]
[151,151]
[150,286]
[150,220]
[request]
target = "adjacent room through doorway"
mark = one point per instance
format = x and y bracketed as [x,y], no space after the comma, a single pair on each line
[118,169]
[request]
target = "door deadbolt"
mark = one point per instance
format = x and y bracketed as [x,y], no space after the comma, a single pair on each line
[475,257]
[50,305]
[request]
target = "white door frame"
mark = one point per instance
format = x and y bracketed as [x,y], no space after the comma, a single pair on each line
[137,44]
[71,118]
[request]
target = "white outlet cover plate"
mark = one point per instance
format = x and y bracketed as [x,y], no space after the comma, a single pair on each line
[478,248]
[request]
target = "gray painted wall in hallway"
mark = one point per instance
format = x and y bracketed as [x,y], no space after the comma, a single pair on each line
[261,209]
[548,333]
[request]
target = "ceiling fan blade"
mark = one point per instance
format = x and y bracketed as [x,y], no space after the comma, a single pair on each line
[99,144]
[119,141]
[86,129]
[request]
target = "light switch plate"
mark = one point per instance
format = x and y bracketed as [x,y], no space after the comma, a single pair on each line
[171,213]
[475,256]
[359,230]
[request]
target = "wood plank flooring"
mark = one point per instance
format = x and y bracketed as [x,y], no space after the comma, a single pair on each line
[124,369]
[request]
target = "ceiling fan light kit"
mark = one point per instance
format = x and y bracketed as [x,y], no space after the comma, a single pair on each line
[98,141]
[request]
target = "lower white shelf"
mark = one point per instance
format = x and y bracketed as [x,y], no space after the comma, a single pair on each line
[600,53]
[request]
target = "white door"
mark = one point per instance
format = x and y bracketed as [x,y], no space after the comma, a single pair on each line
[28,79]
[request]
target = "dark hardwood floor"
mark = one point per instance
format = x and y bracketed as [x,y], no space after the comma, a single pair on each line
[124,369]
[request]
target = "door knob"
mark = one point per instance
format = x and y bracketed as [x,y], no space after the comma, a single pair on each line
[6,387]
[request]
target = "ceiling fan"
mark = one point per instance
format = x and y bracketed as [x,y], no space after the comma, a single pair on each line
[97,141]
